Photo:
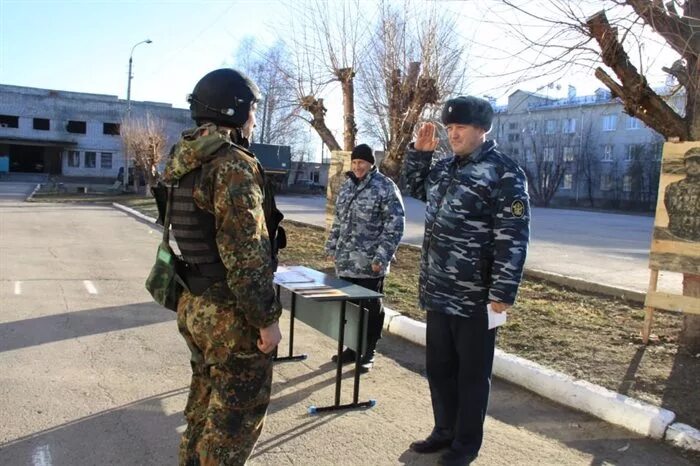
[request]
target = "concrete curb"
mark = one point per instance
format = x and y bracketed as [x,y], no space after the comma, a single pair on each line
[612,407]
[36,188]
[578,284]
[630,413]
[135,213]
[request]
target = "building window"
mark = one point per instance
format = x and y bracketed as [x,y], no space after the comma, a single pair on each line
[605,182]
[515,152]
[632,123]
[568,181]
[551,127]
[609,122]
[42,124]
[633,151]
[9,121]
[78,127]
[514,137]
[90,159]
[110,128]
[549,154]
[627,183]
[105,160]
[73,158]
[568,154]
[529,157]
[607,153]
[513,126]
[568,125]
[532,127]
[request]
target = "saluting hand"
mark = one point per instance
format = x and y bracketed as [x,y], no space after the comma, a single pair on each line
[425,139]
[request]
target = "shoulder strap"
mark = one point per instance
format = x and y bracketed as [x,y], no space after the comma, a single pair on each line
[166,220]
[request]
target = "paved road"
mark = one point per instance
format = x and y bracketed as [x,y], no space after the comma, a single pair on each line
[10,190]
[612,249]
[93,373]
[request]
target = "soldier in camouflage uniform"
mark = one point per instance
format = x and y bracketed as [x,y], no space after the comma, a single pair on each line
[366,230]
[476,236]
[223,220]
[682,200]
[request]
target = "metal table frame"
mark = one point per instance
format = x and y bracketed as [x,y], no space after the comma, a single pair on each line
[361,335]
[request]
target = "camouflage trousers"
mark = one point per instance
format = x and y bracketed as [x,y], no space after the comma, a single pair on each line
[231,382]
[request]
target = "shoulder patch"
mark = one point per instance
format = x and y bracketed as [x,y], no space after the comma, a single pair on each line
[517,208]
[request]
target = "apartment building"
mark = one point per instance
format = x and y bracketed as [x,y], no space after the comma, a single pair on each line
[581,150]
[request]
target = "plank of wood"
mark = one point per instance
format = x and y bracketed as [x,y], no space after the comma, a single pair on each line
[672,302]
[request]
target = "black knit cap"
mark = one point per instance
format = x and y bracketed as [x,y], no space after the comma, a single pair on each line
[468,110]
[363,152]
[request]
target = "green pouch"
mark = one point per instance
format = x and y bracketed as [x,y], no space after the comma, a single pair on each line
[163,282]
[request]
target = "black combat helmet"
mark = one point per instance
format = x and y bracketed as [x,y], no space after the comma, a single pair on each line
[223,97]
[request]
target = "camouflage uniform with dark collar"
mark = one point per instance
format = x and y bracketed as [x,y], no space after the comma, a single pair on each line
[231,377]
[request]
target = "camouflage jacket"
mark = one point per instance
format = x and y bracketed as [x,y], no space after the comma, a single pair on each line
[476,228]
[368,226]
[229,189]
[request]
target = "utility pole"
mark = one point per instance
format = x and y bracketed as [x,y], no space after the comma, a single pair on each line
[125,178]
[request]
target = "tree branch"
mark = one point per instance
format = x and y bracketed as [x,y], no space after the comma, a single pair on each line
[639,99]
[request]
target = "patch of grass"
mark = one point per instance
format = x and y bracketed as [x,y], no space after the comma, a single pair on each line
[596,338]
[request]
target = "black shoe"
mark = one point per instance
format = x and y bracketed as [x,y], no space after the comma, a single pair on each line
[346,357]
[367,362]
[453,457]
[431,444]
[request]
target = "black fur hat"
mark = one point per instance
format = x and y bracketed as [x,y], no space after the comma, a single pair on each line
[468,110]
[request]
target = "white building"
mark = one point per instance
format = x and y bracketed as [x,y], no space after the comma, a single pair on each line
[581,150]
[71,133]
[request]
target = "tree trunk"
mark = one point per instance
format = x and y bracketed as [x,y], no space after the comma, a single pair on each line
[346,76]
[318,121]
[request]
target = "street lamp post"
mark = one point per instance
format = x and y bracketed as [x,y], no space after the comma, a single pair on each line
[125,177]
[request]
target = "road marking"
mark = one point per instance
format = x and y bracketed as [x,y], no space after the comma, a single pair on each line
[41,456]
[90,287]
[18,287]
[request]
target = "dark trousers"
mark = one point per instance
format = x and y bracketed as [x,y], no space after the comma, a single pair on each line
[459,359]
[375,308]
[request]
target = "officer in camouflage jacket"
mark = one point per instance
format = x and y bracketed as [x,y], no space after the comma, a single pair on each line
[367,229]
[221,219]
[476,236]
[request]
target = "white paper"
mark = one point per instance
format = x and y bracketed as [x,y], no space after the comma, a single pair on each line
[496,319]
[291,276]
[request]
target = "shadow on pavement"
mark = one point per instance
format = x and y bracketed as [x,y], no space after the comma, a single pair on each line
[136,433]
[58,327]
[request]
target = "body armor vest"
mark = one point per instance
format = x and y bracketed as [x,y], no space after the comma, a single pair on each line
[194,230]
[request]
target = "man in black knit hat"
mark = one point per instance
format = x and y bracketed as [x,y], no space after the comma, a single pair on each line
[367,229]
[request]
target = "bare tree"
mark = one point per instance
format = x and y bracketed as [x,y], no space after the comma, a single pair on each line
[607,36]
[413,61]
[643,175]
[278,110]
[145,141]
[325,39]
[544,153]
[588,163]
